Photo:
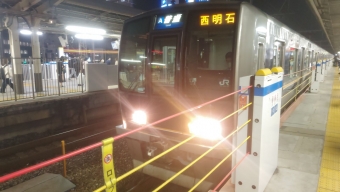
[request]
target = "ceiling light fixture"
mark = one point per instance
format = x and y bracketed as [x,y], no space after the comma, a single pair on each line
[86,30]
[26,32]
[89,36]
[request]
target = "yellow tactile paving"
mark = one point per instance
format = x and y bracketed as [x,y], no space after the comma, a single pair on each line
[329,180]
[324,190]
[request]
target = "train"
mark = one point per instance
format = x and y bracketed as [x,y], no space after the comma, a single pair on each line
[172,59]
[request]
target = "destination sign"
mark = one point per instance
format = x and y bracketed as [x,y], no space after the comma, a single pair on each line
[169,21]
[217,19]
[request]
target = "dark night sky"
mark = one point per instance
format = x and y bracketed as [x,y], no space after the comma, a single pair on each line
[147,4]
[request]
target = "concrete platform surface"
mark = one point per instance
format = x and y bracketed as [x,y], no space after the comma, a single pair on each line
[301,143]
[46,182]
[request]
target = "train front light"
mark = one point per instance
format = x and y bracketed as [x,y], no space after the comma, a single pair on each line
[206,128]
[139,117]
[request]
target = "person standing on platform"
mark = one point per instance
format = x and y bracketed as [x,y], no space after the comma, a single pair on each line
[116,61]
[108,62]
[81,76]
[71,65]
[2,74]
[5,73]
[60,71]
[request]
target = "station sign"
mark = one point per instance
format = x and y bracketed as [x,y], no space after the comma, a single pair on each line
[169,21]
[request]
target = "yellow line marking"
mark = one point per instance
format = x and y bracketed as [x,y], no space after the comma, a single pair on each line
[329,179]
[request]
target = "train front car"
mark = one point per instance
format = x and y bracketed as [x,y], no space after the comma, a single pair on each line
[172,60]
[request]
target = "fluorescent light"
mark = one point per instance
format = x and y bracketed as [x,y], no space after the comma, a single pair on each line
[26,32]
[132,61]
[86,30]
[88,36]
[158,64]
[142,57]
[114,35]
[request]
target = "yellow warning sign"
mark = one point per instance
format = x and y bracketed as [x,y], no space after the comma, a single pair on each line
[108,168]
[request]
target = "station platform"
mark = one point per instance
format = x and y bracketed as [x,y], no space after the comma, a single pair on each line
[309,145]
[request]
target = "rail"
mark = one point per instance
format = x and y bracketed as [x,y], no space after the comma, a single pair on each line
[230,172]
[99,144]
[297,88]
[292,82]
[112,181]
[108,167]
[50,151]
[297,71]
[107,146]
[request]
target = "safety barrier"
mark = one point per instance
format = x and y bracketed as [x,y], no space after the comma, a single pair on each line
[99,144]
[305,80]
[265,89]
[297,72]
[108,166]
[107,148]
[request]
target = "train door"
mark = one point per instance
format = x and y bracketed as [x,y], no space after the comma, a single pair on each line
[278,54]
[292,63]
[261,53]
[306,62]
[297,62]
[163,59]
[298,66]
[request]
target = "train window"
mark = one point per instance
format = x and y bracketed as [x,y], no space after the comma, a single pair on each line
[260,62]
[277,57]
[209,58]
[306,62]
[290,63]
[132,56]
[299,59]
[163,57]
[261,55]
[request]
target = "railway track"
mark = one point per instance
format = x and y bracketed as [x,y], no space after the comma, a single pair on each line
[18,156]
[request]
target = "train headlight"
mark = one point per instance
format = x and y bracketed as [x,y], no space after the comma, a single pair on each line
[206,128]
[139,117]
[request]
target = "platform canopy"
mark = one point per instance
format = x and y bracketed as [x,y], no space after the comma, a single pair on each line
[328,14]
[57,14]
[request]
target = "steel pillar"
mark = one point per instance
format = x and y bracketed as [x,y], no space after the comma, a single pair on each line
[14,41]
[36,56]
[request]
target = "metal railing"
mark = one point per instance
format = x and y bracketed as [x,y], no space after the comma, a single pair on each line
[107,145]
[305,80]
[109,141]
[112,181]
[25,81]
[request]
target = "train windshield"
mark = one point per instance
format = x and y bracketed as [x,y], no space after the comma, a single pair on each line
[132,56]
[209,56]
